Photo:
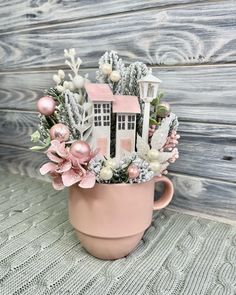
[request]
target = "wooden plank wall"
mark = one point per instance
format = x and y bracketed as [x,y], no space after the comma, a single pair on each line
[191,46]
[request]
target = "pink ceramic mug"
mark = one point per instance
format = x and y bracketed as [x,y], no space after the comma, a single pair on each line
[110,219]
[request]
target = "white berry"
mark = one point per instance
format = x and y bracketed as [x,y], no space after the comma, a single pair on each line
[66,85]
[112,163]
[106,173]
[155,166]
[61,74]
[57,79]
[153,154]
[78,81]
[72,51]
[71,86]
[106,69]
[115,76]
[60,88]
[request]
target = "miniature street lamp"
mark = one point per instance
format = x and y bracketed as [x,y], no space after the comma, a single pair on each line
[148,86]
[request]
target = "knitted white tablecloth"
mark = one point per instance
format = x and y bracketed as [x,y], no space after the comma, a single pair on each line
[39,252]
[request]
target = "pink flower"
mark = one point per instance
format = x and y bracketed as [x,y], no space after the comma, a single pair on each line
[65,169]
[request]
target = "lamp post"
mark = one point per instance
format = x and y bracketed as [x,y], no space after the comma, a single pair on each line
[148,87]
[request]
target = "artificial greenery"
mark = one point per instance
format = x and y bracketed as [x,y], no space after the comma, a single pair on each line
[120,173]
[43,143]
[158,111]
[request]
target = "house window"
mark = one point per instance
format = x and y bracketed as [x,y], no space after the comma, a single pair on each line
[97,108]
[101,114]
[131,122]
[121,122]
[97,121]
[106,108]
[106,120]
[126,122]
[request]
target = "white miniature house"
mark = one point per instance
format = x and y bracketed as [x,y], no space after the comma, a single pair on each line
[126,107]
[101,96]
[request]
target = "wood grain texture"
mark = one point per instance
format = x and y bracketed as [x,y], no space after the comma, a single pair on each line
[206,150]
[20,14]
[191,193]
[204,196]
[22,90]
[21,161]
[199,94]
[16,128]
[199,33]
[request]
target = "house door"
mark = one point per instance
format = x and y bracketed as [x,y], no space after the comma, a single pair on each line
[102,146]
[126,144]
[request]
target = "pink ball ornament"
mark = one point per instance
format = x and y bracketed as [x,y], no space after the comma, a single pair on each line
[60,131]
[133,171]
[46,105]
[80,149]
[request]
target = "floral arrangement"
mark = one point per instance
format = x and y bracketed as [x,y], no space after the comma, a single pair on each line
[117,130]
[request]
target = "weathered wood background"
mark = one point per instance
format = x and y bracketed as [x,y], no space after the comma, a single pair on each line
[191,46]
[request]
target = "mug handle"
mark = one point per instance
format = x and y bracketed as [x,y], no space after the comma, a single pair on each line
[167,194]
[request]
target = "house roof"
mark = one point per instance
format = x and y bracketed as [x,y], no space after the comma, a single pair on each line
[150,78]
[99,92]
[126,104]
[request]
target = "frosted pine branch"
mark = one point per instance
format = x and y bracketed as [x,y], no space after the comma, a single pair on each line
[135,72]
[117,65]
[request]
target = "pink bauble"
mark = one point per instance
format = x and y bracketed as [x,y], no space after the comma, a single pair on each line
[133,171]
[46,105]
[60,131]
[80,149]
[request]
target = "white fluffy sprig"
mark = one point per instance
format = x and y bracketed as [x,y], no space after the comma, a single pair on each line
[158,141]
[73,62]
[76,82]
[80,116]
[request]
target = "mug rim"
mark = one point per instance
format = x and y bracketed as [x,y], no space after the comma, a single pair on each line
[124,184]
